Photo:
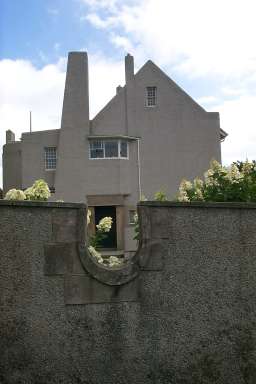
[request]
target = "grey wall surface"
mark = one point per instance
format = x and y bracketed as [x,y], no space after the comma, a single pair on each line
[188,316]
[12,160]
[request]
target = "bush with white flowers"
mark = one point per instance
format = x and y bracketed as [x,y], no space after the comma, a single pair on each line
[39,191]
[15,194]
[95,241]
[234,183]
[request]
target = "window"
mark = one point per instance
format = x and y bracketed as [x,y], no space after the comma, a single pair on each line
[96,149]
[111,148]
[108,149]
[50,155]
[151,97]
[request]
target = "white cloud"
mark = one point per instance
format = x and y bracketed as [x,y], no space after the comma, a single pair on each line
[99,22]
[198,37]
[237,117]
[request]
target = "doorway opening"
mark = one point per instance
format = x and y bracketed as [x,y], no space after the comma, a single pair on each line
[110,242]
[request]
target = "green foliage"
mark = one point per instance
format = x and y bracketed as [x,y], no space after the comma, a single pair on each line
[160,196]
[222,184]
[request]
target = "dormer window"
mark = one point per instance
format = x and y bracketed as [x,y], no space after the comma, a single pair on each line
[151,96]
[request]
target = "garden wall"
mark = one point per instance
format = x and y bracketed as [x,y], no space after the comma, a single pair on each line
[182,313]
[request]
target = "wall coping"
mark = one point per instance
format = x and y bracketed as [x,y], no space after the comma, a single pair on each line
[41,204]
[198,204]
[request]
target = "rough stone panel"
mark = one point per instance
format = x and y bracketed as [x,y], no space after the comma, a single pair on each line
[86,290]
[64,225]
[159,223]
[59,258]
[152,254]
[247,227]
[197,225]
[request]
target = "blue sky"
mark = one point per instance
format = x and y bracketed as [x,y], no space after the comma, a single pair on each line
[207,47]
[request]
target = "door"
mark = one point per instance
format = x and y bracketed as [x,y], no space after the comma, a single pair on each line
[100,212]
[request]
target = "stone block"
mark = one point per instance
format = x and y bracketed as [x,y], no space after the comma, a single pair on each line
[152,255]
[87,290]
[59,258]
[64,225]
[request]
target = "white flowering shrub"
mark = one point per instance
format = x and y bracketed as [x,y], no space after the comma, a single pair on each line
[102,229]
[234,183]
[95,254]
[105,224]
[15,194]
[160,196]
[39,191]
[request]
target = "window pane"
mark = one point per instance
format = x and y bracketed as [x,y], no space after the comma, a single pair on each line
[111,148]
[123,149]
[97,153]
[96,144]
[50,157]
[151,96]
[96,149]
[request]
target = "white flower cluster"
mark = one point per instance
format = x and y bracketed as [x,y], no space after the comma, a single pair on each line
[221,182]
[233,174]
[111,262]
[114,261]
[38,191]
[186,187]
[89,213]
[15,194]
[95,254]
[105,224]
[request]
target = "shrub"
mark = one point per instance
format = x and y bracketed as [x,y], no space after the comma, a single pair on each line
[39,191]
[15,194]
[102,229]
[160,196]
[234,183]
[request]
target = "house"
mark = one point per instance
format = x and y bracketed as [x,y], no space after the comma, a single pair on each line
[148,137]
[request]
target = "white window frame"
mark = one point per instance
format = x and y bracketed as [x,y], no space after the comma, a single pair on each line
[110,158]
[151,97]
[45,158]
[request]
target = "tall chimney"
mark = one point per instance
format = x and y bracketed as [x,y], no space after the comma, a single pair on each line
[129,68]
[73,146]
[75,110]
[10,136]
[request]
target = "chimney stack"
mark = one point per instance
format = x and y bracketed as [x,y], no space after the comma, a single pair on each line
[129,68]
[75,112]
[10,136]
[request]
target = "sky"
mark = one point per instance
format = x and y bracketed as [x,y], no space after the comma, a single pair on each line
[207,47]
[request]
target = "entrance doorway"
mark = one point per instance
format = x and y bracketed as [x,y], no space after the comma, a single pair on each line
[111,239]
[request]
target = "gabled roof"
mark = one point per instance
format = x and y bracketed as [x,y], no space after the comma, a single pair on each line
[150,64]
[176,87]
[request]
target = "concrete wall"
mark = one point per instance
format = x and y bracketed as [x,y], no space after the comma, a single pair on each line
[12,161]
[33,156]
[185,315]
